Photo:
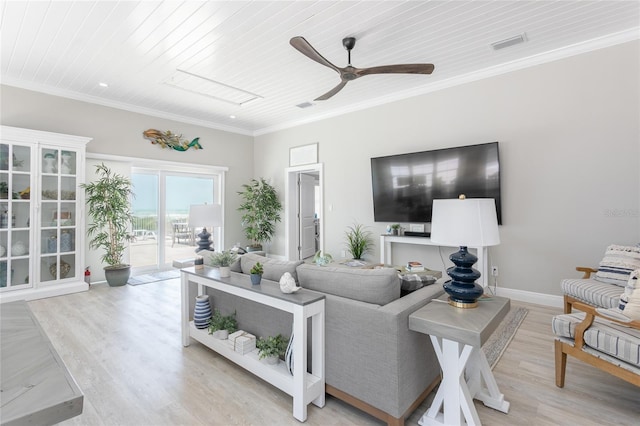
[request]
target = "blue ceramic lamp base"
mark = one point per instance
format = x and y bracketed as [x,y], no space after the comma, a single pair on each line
[463,291]
[205,240]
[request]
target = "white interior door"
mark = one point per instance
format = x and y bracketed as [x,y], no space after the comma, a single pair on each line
[306,213]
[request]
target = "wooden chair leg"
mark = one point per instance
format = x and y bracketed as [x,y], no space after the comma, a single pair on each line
[561,364]
[567,305]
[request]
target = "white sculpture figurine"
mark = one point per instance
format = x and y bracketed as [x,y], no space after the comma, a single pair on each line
[288,284]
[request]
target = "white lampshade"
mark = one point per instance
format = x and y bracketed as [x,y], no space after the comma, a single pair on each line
[470,222]
[205,215]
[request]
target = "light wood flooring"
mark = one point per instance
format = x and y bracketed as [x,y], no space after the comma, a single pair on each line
[123,347]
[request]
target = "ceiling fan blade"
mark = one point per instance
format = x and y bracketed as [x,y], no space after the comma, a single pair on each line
[397,69]
[332,92]
[303,46]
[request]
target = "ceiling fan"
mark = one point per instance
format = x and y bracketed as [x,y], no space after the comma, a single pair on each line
[350,72]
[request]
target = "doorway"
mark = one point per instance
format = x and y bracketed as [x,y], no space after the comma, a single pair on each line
[304,213]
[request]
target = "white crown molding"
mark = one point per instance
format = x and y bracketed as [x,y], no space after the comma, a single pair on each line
[120,105]
[553,55]
[173,166]
[530,61]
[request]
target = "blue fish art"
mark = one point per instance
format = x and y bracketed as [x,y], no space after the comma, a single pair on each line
[170,140]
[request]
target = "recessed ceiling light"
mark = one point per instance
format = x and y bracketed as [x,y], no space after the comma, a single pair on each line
[305,105]
[232,116]
[103,85]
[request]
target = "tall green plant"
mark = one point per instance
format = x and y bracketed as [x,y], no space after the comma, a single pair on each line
[358,240]
[260,211]
[109,204]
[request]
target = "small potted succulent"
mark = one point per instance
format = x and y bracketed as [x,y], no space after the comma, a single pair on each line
[223,260]
[272,348]
[256,273]
[395,228]
[221,326]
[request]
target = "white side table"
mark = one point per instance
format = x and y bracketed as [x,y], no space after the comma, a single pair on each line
[457,336]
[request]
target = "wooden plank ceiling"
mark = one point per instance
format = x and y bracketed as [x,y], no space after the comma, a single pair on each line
[203,62]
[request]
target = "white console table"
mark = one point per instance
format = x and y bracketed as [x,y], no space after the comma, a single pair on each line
[303,386]
[386,258]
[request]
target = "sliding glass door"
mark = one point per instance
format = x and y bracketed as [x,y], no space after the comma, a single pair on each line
[161,215]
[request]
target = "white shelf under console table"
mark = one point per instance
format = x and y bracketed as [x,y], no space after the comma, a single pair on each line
[305,387]
[386,258]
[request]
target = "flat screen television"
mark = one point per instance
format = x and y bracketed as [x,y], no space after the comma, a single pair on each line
[405,185]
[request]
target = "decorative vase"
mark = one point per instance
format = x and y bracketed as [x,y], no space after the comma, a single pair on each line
[65,167]
[221,334]
[288,355]
[202,312]
[49,163]
[3,251]
[225,271]
[52,244]
[65,241]
[255,279]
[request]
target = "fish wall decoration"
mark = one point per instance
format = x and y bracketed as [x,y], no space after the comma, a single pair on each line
[170,140]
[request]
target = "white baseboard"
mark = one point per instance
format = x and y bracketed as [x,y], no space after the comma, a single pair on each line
[531,297]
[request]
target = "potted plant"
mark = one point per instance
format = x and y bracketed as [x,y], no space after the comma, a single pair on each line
[221,326]
[223,260]
[358,241]
[271,348]
[4,191]
[260,210]
[256,273]
[109,205]
[395,228]
[322,259]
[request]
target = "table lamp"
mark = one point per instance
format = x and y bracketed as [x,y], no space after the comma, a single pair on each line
[464,222]
[203,215]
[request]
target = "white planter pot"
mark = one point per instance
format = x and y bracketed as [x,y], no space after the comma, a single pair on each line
[221,334]
[271,360]
[225,271]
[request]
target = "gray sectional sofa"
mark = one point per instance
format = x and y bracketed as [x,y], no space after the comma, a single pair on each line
[373,361]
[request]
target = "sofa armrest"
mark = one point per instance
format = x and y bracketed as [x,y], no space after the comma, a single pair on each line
[587,271]
[590,314]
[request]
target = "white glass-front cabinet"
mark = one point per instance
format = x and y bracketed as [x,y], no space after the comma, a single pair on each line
[41,214]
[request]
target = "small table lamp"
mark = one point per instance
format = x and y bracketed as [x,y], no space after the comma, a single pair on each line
[203,215]
[464,222]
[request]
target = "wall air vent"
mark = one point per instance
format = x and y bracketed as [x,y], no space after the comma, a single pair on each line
[520,38]
[305,105]
[200,85]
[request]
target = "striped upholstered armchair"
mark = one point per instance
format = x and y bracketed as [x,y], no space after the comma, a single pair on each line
[601,288]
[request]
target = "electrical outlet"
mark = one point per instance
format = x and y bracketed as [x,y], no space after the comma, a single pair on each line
[494,271]
[343,254]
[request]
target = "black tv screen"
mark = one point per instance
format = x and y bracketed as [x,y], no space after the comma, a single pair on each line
[405,185]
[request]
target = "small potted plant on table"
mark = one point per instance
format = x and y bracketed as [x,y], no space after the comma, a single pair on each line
[256,273]
[223,260]
[358,241]
[272,348]
[221,326]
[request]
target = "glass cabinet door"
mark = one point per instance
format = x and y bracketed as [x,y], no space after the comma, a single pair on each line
[58,237]
[15,210]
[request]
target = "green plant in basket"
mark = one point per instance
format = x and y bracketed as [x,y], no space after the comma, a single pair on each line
[257,269]
[221,322]
[272,346]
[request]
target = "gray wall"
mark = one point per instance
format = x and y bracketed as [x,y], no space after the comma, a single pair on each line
[570,161]
[119,132]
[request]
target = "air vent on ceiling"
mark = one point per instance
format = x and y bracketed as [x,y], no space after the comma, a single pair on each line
[305,105]
[520,38]
[200,85]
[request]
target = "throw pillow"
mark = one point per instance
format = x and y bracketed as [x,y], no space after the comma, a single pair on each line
[630,299]
[617,264]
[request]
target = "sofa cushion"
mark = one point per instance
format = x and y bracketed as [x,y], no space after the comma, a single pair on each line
[592,292]
[617,264]
[379,286]
[273,268]
[613,339]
